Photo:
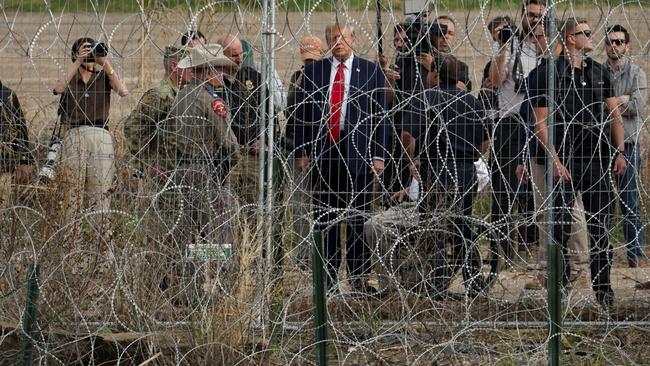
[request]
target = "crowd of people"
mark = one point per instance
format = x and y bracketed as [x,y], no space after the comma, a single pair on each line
[408,131]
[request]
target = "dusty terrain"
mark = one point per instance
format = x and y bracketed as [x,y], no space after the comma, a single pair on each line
[123,293]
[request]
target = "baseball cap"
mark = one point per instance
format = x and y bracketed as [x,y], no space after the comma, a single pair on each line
[311,48]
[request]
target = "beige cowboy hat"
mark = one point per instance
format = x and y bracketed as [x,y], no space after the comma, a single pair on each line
[205,55]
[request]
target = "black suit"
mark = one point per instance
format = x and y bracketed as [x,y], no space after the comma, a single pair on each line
[341,180]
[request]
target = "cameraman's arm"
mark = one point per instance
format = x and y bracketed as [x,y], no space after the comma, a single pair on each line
[59,86]
[498,70]
[114,80]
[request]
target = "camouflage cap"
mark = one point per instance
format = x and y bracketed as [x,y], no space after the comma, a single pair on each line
[177,52]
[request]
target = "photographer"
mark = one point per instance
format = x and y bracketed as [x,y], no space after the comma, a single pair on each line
[87,153]
[517,57]
[443,43]
[15,155]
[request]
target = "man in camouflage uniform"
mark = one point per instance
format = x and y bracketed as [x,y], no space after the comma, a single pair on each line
[142,127]
[145,140]
[15,156]
[199,137]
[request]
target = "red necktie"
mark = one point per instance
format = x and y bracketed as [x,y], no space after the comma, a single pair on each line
[336,102]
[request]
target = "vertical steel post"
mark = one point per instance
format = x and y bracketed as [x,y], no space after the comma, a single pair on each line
[318,288]
[269,83]
[380,36]
[554,253]
[262,121]
[261,217]
[29,314]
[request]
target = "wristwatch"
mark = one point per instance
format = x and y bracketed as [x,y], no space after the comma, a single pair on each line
[619,152]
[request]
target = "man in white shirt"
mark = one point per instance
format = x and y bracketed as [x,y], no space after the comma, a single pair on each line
[516,58]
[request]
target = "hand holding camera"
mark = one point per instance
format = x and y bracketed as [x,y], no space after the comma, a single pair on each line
[425,59]
[506,33]
[92,52]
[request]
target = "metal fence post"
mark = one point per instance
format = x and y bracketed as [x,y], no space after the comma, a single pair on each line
[320,312]
[29,314]
[554,259]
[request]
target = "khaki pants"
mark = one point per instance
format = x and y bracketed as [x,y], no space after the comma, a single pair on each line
[5,190]
[578,245]
[88,169]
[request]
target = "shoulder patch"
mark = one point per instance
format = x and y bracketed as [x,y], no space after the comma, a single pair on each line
[219,108]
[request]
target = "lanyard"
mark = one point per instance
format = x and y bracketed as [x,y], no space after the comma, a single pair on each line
[212,92]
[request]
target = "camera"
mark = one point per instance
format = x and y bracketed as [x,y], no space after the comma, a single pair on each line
[98,49]
[419,35]
[46,172]
[506,33]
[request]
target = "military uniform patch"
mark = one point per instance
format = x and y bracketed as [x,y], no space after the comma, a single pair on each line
[219,107]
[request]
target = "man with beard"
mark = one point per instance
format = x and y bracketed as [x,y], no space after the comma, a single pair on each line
[630,88]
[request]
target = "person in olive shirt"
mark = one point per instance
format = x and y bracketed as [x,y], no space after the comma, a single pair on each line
[198,136]
[142,126]
[15,151]
[87,155]
[588,149]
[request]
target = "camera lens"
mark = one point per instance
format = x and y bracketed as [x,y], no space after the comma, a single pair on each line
[100,50]
[505,34]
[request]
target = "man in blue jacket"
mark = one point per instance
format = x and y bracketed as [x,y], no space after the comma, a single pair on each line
[342,138]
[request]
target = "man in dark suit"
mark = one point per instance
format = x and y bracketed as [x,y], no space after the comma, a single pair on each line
[342,132]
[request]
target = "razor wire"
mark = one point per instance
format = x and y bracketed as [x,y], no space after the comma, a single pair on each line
[177,263]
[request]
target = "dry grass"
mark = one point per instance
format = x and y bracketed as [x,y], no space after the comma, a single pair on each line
[95,288]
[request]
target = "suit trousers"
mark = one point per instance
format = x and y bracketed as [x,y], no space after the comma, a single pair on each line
[592,180]
[508,193]
[341,195]
[447,208]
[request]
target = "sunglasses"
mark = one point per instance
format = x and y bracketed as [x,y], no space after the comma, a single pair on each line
[587,33]
[617,42]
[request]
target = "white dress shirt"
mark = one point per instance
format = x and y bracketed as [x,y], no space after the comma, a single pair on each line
[347,76]
[509,100]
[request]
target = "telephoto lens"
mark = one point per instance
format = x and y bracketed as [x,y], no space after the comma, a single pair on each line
[47,173]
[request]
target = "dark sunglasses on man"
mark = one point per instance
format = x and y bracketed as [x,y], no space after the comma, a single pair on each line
[587,33]
[617,42]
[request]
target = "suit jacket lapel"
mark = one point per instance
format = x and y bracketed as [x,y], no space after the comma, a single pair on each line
[327,71]
[355,79]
